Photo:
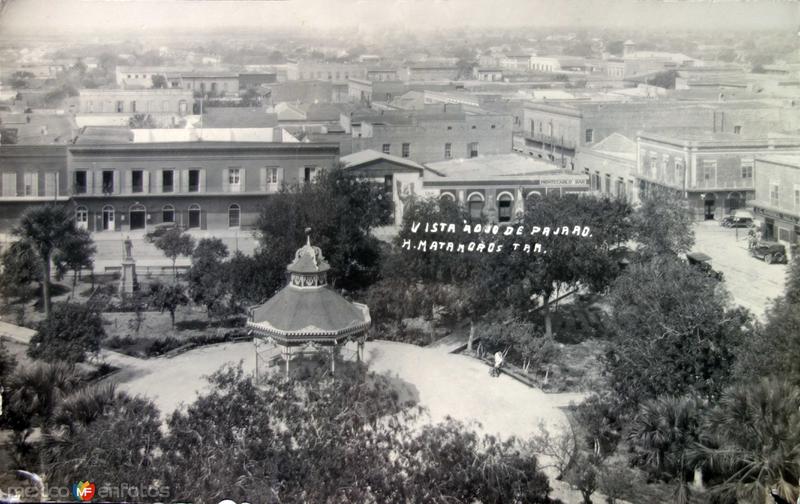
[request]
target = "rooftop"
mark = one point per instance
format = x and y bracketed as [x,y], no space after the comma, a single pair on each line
[238,117]
[792,160]
[703,136]
[161,135]
[501,166]
[618,145]
[368,156]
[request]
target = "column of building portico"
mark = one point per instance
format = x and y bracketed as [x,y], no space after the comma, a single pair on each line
[519,203]
[490,208]
[462,197]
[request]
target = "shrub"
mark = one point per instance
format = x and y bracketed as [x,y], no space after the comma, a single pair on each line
[68,334]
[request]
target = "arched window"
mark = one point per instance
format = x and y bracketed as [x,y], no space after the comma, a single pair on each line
[194,216]
[505,200]
[475,202]
[234,213]
[168,214]
[82,217]
[533,194]
[446,196]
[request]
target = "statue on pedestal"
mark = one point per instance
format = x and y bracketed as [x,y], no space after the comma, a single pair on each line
[127,281]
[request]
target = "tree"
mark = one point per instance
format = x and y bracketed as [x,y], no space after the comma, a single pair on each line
[341,210]
[665,79]
[21,266]
[672,333]
[250,98]
[350,441]
[663,224]
[114,437]
[567,259]
[68,334]
[253,279]
[615,47]
[75,254]
[142,121]
[207,278]
[168,297]
[662,434]
[173,242]
[159,81]
[46,228]
[753,440]
[727,55]
[773,348]
[21,79]
[31,399]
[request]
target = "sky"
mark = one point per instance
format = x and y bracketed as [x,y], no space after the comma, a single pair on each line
[85,16]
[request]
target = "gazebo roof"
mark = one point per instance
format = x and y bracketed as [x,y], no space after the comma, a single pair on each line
[306,310]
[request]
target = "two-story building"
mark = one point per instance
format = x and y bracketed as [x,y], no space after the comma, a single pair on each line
[556,130]
[30,175]
[777,196]
[611,166]
[437,133]
[116,106]
[214,179]
[713,171]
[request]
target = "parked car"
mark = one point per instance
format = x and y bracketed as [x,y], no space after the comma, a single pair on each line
[769,252]
[702,262]
[736,222]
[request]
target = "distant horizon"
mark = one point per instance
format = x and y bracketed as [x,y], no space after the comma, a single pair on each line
[372,17]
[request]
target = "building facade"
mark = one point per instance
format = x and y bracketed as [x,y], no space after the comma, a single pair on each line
[777,197]
[438,133]
[165,106]
[713,171]
[30,175]
[556,131]
[196,185]
[611,167]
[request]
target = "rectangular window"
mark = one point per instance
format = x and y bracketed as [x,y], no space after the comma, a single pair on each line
[30,182]
[137,181]
[194,180]
[797,197]
[272,175]
[308,173]
[589,135]
[80,182]
[774,194]
[678,172]
[406,150]
[167,180]
[448,150]
[709,170]
[235,179]
[386,148]
[133,106]
[108,182]
[747,168]
[473,149]
[737,129]
[120,106]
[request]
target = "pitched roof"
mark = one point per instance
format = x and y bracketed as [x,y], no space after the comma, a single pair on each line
[616,143]
[367,156]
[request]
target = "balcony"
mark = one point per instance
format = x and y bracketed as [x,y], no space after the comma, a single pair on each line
[550,140]
[739,184]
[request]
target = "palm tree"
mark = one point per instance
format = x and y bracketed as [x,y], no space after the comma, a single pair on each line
[663,434]
[46,228]
[35,392]
[754,441]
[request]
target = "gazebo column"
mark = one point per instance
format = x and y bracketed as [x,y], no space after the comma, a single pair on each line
[286,358]
[333,359]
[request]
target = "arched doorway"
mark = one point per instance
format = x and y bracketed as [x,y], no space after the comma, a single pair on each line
[735,201]
[234,215]
[194,216]
[505,201]
[137,216]
[108,218]
[82,217]
[475,202]
[709,206]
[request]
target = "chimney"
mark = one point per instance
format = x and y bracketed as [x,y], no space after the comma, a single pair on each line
[277,135]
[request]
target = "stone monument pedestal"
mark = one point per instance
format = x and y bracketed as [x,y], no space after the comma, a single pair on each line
[127,282]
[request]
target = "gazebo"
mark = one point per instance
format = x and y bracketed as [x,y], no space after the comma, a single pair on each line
[306,316]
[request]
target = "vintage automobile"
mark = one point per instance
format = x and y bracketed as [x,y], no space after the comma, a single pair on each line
[736,222]
[702,262]
[769,252]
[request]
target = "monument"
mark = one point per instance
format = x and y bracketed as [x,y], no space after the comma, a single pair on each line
[127,282]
